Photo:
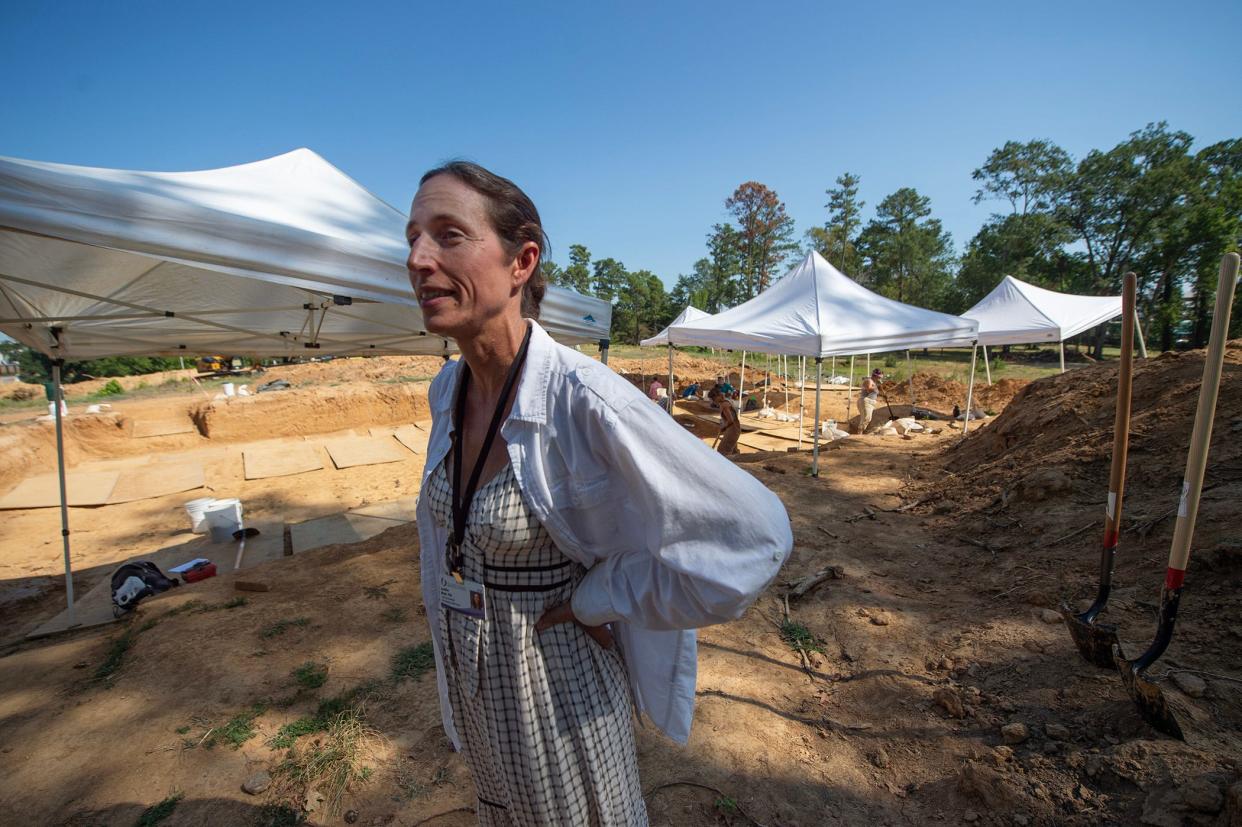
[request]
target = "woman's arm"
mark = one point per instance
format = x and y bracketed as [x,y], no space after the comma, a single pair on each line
[708,537]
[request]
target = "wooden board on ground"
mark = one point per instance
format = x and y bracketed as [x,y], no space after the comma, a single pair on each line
[399,511]
[337,529]
[346,452]
[89,488]
[413,437]
[94,607]
[157,480]
[280,461]
[762,442]
[144,429]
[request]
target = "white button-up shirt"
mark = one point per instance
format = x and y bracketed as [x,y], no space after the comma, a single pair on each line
[674,535]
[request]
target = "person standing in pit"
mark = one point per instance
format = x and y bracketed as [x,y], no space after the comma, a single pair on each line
[867,400]
[730,428]
[571,535]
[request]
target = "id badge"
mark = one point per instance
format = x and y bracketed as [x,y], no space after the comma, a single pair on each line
[466,597]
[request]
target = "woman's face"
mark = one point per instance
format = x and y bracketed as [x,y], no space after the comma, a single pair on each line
[460,272]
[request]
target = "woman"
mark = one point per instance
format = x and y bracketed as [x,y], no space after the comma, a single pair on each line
[730,427]
[545,501]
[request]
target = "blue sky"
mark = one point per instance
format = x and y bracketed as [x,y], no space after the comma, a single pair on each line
[629,124]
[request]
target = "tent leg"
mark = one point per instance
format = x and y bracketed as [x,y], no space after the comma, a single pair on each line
[1139,329]
[603,351]
[786,358]
[741,384]
[64,498]
[970,392]
[819,375]
[801,399]
[1062,356]
[987,366]
[910,370]
[849,396]
[671,395]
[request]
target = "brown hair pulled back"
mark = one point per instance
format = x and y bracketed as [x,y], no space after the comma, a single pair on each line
[513,216]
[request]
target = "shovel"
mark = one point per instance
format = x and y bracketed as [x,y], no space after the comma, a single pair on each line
[1095,641]
[1152,704]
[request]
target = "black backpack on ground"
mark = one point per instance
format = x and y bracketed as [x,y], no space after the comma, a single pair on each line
[134,581]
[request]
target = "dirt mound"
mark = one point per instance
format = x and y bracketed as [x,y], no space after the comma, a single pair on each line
[1066,421]
[21,391]
[355,369]
[313,410]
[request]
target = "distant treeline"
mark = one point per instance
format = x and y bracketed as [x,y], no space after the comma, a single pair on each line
[1150,204]
[35,367]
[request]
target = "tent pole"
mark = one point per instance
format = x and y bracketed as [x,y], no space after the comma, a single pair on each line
[767,376]
[819,375]
[57,401]
[868,364]
[801,399]
[671,395]
[786,383]
[1139,329]
[987,366]
[910,369]
[741,383]
[1062,356]
[970,391]
[603,351]
[849,395]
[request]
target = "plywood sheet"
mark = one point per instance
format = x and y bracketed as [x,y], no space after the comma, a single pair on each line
[94,607]
[281,460]
[337,529]
[157,480]
[88,488]
[761,442]
[346,452]
[399,511]
[144,429]
[413,437]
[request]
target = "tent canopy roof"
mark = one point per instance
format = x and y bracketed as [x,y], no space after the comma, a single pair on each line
[816,310]
[273,258]
[1017,313]
[690,314]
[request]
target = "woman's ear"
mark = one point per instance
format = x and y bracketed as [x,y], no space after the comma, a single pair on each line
[524,263]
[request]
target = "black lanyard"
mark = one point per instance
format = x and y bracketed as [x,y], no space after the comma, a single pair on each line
[461,503]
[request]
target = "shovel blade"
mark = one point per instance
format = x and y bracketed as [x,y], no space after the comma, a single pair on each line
[1095,641]
[1148,697]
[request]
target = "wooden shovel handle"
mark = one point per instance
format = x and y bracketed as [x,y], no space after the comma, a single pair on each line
[1121,421]
[1196,462]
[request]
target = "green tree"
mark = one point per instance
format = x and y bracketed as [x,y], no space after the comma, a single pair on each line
[836,239]
[609,277]
[907,254]
[765,234]
[641,309]
[577,275]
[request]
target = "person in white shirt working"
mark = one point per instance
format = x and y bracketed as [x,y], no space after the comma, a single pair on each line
[547,501]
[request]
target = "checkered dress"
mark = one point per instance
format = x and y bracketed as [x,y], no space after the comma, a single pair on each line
[544,718]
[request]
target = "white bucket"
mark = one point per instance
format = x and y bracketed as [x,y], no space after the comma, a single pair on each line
[223,518]
[195,509]
[229,390]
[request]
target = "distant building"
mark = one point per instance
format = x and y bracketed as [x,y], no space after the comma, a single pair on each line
[8,370]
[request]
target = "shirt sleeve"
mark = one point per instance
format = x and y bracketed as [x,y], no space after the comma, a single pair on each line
[708,536]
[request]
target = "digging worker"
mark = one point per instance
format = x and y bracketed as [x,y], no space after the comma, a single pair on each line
[730,428]
[564,564]
[870,393]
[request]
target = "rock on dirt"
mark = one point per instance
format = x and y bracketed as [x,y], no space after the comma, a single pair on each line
[1191,684]
[1202,795]
[257,783]
[1050,616]
[1057,732]
[986,785]
[1038,486]
[1015,733]
[950,702]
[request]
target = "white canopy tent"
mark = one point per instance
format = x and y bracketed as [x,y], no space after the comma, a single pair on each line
[817,311]
[690,314]
[282,257]
[1017,313]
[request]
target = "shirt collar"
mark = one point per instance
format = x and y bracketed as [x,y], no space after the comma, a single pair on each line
[531,404]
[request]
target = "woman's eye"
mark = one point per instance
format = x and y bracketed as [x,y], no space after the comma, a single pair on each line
[411,238]
[452,235]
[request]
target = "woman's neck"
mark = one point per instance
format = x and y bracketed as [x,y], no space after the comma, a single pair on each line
[491,352]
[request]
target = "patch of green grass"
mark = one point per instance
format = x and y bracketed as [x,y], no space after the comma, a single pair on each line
[158,812]
[335,762]
[376,592]
[726,805]
[349,701]
[289,733]
[238,730]
[799,637]
[182,730]
[116,655]
[412,662]
[112,388]
[279,627]
[311,675]
[396,614]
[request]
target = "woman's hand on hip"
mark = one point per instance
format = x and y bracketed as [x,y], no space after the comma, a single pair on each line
[564,613]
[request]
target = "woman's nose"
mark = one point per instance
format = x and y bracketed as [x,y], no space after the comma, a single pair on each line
[420,259]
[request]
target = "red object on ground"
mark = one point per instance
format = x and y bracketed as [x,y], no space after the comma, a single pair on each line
[200,573]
